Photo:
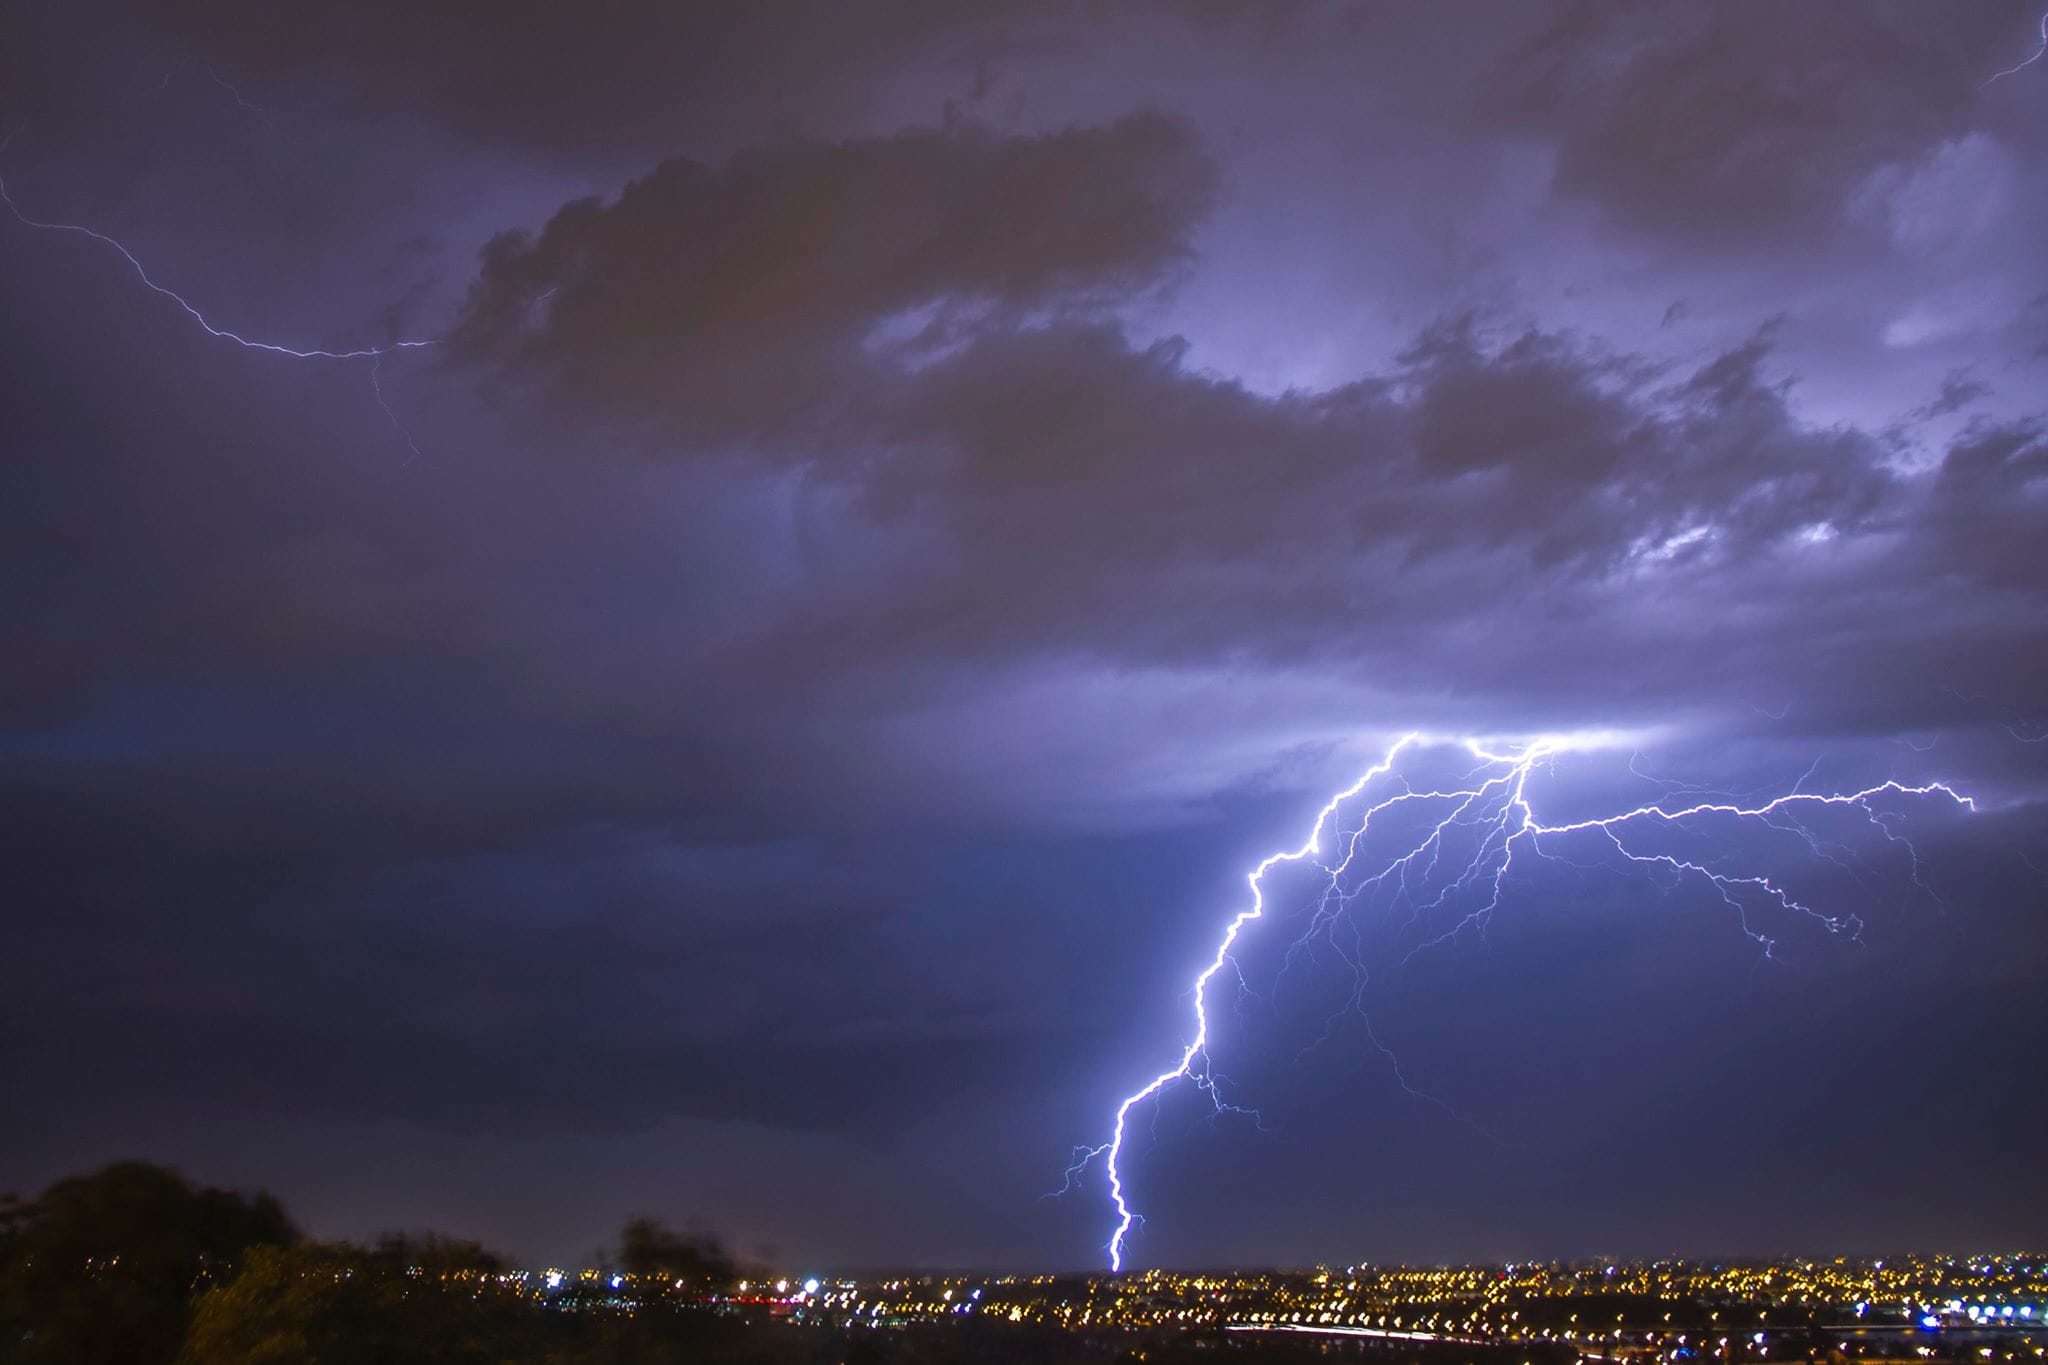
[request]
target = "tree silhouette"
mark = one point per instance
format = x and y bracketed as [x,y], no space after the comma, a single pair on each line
[650,1249]
[423,1301]
[105,1267]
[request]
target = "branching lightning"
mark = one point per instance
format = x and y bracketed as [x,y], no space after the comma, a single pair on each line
[373,354]
[1473,835]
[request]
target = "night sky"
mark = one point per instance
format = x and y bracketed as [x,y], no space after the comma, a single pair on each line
[764,719]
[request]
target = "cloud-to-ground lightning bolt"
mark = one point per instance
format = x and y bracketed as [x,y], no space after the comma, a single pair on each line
[1489,805]
[2038,53]
[373,354]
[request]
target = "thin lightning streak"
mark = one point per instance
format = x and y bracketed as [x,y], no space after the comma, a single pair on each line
[374,354]
[163,84]
[2037,55]
[2021,728]
[180,69]
[222,333]
[233,93]
[1495,804]
[377,388]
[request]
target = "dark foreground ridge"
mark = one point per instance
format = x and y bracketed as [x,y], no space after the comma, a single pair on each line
[134,1264]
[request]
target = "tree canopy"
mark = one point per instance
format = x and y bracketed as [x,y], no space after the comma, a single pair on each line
[105,1267]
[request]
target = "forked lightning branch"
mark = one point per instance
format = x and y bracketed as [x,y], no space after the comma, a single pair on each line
[1453,861]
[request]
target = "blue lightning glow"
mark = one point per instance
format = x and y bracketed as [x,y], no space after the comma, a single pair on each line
[1492,806]
[2037,55]
[374,354]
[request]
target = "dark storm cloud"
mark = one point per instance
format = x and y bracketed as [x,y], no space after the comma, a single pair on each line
[1082,479]
[1742,121]
[562,77]
[1958,391]
[737,299]
[1112,500]
[925,318]
[1988,501]
[625,74]
[356,952]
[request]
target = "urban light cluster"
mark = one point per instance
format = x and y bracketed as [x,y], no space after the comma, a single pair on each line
[1969,1308]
